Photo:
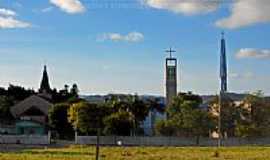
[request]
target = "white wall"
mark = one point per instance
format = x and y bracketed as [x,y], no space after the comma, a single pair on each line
[24,139]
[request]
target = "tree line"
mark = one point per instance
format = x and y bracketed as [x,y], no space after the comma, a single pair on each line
[123,115]
[186,116]
[117,115]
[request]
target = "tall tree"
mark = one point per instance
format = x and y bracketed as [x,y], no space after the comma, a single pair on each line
[74,91]
[3,91]
[19,93]
[166,128]
[155,104]
[180,100]
[5,104]
[139,110]
[119,123]
[58,120]
[255,120]
[86,117]
[185,117]
[229,113]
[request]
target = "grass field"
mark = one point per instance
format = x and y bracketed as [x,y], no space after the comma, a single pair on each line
[141,153]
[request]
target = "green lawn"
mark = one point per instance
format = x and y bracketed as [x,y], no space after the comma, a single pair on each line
[141,153]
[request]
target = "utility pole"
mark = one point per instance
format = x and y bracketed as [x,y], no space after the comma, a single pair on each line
[98,126]
[219,118]
[97,145]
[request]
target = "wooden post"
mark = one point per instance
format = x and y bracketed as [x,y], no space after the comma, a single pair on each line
[97,145]
[76,136]
[219,119]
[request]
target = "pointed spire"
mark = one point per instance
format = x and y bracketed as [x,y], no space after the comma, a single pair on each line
[222,35]
[45,85]
[223,64]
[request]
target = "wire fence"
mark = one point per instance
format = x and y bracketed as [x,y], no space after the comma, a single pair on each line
[171,141]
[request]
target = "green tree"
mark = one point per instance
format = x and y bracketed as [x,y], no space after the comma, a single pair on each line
[58,120]
[196,122]
[180,100]
[5,104]
[87,117]
[165,128]
[255,121]
[185,117]
[139,110]
[230,114]
[18,93]
[119,123]
[154,104]
[64,96]
[190,120]
[3,91]
[74,91]
[66,88]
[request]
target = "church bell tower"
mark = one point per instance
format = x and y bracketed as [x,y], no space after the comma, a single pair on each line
[171,77]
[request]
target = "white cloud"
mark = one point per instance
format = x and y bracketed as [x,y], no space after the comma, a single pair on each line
[249,75]
[11,22]
[245,75]
[243,12]
[253,53]
[188,7]
[7,12]
[69,6]
[134,37]
[130,37]
[17,5]
[233,75]
[246,12]
[47,9]
[8,20]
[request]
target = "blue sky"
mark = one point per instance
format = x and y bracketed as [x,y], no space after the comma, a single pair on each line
[120,49]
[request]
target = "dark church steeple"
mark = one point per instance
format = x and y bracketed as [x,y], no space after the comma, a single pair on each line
[45,85]
[223,64]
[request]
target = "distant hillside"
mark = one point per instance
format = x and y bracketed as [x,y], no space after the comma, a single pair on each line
[206,98]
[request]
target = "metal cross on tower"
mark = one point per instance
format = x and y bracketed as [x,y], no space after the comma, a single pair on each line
[170,51]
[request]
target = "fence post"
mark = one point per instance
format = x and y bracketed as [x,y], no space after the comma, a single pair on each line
[49,136]
[76,137]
